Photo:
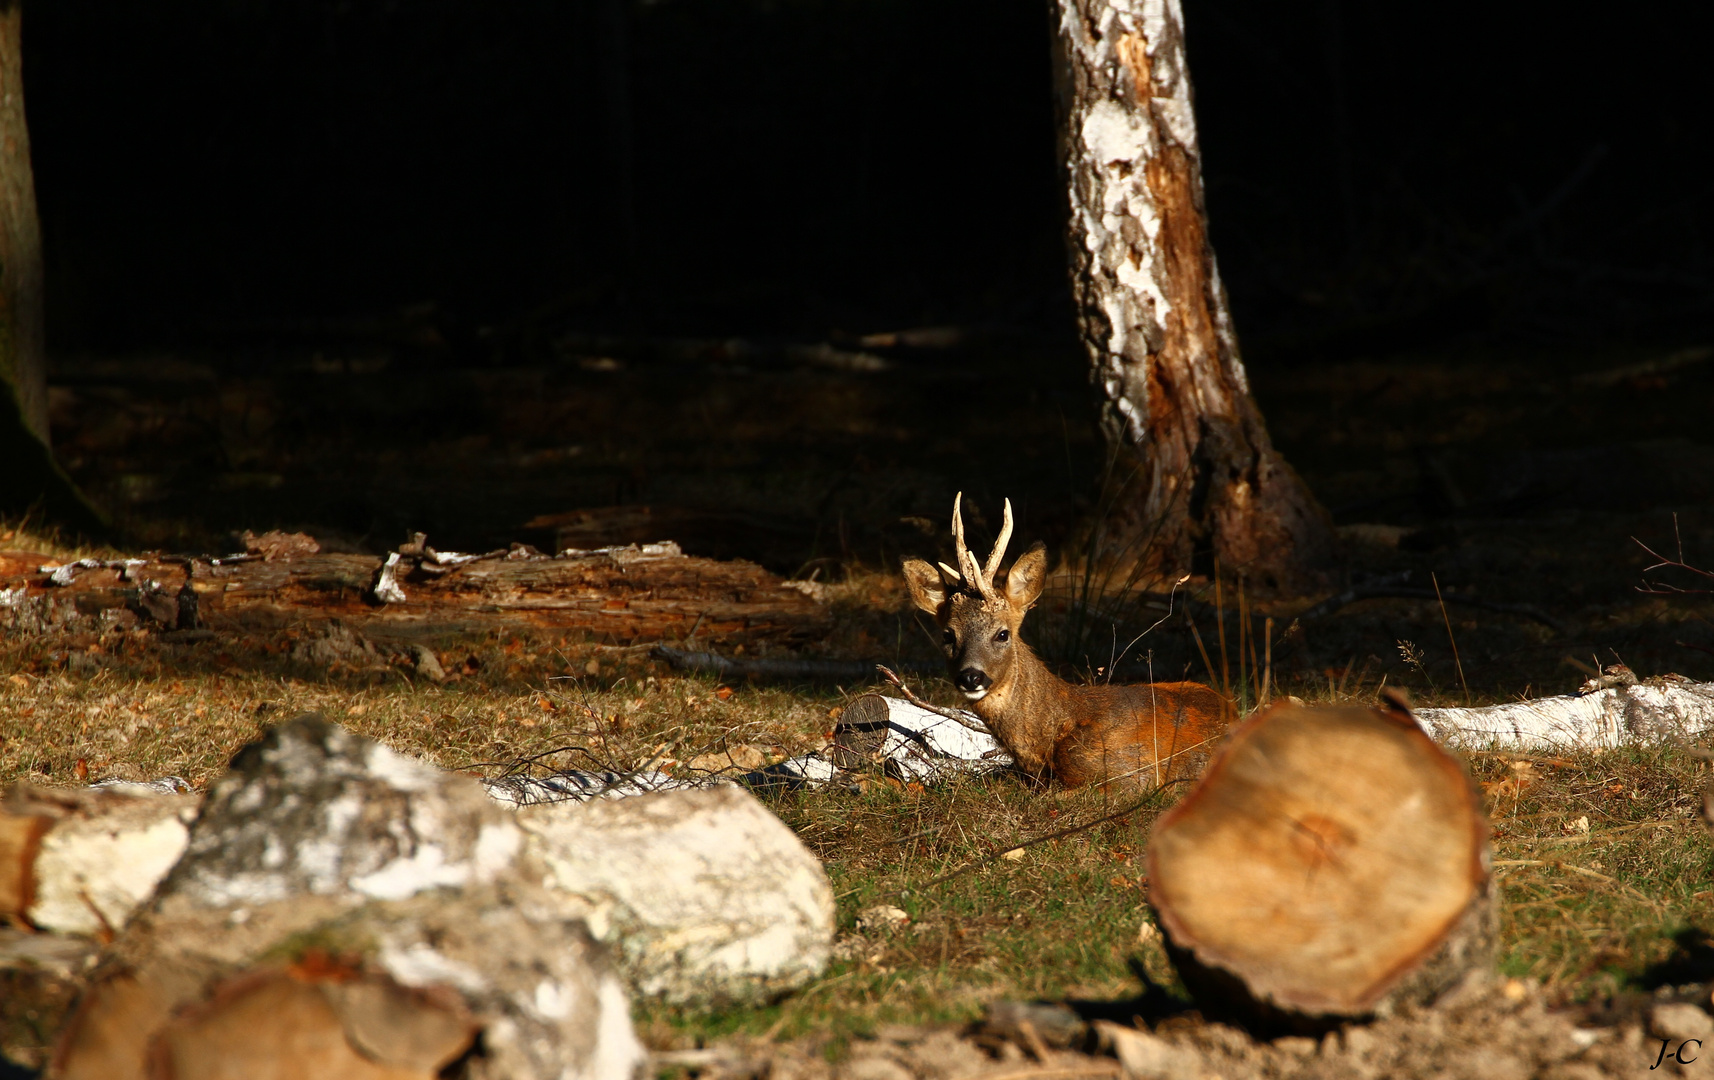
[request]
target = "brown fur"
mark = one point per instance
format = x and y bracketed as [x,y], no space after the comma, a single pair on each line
[1137,735]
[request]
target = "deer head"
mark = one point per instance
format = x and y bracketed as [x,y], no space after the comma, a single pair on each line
[978,618]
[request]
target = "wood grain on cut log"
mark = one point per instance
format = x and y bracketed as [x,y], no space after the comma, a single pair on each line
[20,841]
[647,594]
[1332,862]
[339,1024]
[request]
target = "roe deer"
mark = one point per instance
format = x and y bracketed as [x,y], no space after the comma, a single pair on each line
[1078,734]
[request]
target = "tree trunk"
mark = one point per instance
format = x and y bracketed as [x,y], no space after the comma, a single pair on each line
[1331,864]
[31,481]
[1200,476]
[23,349]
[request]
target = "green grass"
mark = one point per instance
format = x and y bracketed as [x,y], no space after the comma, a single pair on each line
[1590,914]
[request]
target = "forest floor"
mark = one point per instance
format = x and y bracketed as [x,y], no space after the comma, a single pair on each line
[1514,479]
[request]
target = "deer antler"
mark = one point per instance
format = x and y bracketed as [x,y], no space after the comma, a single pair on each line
[999,551]
[973,573]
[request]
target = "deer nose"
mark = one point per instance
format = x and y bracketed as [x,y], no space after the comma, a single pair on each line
[971,680]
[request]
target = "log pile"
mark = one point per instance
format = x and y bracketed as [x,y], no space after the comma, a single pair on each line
[343,911]
[79,861]
[338,907]
[1332,863]
[649,592]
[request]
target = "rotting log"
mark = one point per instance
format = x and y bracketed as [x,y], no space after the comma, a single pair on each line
[1331,864]
[635,594]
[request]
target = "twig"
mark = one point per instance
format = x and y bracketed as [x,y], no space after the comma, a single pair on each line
[1171,596]
[1141,804]
[1448,620]
[1267,658]
[1662,562]
[685,660]
[1582,871]
[1033,1040]
[1220,625]
[1201,648]
[951,714]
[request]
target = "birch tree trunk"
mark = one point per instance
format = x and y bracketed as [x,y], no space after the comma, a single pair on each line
[1203,477]
[23,350]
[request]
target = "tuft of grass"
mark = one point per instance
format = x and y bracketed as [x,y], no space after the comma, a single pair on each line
[1604,865]
[1061,921]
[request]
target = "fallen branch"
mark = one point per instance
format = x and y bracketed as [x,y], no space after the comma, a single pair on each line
[1581,871]
[951,714]
[684,660]
[638,593]
[1129,808]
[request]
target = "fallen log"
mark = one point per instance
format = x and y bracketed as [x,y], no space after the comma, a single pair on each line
[80,860]
[649,592]
[1332,863]
[343,911]
[768,668]
[707,897]
[1663,711]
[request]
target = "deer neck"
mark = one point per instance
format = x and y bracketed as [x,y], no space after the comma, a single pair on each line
[1023,709]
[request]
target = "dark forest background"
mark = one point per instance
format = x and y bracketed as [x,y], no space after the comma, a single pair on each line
[1378,175]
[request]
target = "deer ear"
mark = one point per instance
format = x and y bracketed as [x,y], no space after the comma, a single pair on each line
[928,591]
[1025,579]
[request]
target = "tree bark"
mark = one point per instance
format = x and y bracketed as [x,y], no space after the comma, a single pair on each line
[1331,864]
[23,349]
[1200,478]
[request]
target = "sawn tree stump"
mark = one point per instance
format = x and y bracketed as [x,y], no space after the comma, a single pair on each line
[1332,863]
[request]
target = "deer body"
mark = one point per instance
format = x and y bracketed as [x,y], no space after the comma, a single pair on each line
[1137,735]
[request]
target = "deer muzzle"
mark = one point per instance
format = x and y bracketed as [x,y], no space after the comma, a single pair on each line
[974,682]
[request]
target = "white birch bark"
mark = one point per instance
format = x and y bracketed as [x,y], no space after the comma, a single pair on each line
[1649,714]
[1154,314]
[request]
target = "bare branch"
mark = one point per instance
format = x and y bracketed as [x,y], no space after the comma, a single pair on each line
[951,714]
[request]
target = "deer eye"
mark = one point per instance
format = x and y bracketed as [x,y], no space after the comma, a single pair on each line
[1003,636]
[949,638]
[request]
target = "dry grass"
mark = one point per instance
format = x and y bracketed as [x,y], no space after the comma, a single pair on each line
[1604,864]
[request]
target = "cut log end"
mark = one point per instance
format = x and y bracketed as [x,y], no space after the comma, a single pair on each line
[1332,862]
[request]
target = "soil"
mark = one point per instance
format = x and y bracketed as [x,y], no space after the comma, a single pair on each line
[1485,1031]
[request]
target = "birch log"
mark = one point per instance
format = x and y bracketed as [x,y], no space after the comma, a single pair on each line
[1656,712]
[80,861]
[1153,312]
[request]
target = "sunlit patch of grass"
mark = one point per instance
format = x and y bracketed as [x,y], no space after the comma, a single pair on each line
[1060,921]
[1604,862]
[1589,913]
